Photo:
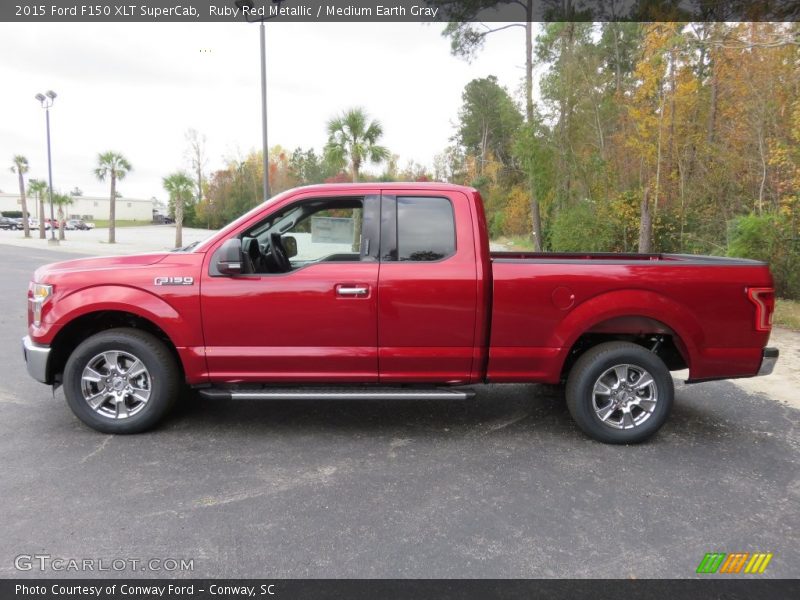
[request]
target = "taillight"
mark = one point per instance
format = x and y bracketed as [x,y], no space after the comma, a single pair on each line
[764,299]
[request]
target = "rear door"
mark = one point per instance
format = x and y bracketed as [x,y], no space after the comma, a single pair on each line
[427,288]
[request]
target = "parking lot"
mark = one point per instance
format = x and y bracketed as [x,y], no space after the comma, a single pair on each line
[143,238]
[500,486]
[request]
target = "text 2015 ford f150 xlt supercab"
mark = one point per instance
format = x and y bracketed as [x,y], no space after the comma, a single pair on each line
[390,291]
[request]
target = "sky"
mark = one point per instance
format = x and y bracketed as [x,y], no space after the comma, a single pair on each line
[136,88]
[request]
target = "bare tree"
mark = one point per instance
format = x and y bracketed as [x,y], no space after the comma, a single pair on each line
[196,154]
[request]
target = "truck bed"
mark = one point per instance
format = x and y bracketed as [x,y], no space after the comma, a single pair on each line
[542,303]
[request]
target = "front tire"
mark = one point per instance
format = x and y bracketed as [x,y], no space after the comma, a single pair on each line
[619,393]
[121,381]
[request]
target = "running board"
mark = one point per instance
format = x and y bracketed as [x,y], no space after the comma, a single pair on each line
[328,393]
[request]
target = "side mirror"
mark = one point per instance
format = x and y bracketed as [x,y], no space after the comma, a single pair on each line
[228,259]
[290,245]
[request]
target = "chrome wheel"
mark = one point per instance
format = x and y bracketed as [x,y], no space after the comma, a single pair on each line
[116,384]
[624,396]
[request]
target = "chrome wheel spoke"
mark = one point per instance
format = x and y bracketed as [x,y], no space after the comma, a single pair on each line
[112,359]
[140,394]
[606,412]
[622,373]
[602,389]
[122,409]
[643,382]
[646,404]
[97,400]
[136,369]
[627,419]
[89,374]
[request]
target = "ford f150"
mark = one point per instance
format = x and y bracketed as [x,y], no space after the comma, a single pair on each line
[390,291]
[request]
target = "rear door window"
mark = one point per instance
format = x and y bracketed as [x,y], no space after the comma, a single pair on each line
[426,229]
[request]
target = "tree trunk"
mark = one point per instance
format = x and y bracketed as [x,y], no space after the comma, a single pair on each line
[657,191]
[712,101]
[41,217]
[644,224]
[762,155]
[61,222]
[671,143]
[536,216]
[178,221]
[24,202]
[199,181]
[112,214]
[484,144]
[617,59]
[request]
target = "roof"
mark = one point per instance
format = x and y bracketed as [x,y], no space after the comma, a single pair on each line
[390,185]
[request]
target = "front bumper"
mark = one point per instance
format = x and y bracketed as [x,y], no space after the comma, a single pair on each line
[769,356]
[36,358]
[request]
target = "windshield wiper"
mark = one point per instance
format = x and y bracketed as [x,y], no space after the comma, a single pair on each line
[186,248]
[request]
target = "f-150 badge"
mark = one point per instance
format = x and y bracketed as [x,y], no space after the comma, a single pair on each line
[174,281]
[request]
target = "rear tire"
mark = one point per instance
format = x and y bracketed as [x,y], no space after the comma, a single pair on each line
[619,393]
[121,381]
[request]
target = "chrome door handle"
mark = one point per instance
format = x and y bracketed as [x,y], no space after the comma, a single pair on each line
[352,291]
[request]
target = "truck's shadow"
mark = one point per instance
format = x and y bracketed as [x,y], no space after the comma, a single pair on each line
[699,415]
[493,408]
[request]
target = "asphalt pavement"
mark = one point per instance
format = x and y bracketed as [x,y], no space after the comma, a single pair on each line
[504,485]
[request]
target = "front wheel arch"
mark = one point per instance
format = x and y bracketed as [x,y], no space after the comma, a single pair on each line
[88,324]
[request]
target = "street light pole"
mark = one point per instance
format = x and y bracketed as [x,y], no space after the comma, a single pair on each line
[46,100]
[247,7]
[264,109]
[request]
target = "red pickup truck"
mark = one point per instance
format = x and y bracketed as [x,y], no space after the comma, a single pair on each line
[390,291]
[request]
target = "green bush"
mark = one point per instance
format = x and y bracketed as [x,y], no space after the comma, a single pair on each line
[496,225]
[773,239]
[580,228]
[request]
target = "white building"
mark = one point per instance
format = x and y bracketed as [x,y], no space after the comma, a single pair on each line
[85,207]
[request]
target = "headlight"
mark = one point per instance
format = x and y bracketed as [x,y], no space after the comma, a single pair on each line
[40,292]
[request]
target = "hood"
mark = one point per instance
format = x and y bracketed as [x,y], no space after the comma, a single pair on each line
[100,262]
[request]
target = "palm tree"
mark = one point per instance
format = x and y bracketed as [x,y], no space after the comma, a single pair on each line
[353,137]
[61,200]
[20,168]
[180,187]
[37,187]
[115,166]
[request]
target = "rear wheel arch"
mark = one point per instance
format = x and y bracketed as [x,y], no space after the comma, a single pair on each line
[628,315]
[644,331]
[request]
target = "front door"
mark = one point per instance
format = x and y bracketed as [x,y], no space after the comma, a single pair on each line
[313,321]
